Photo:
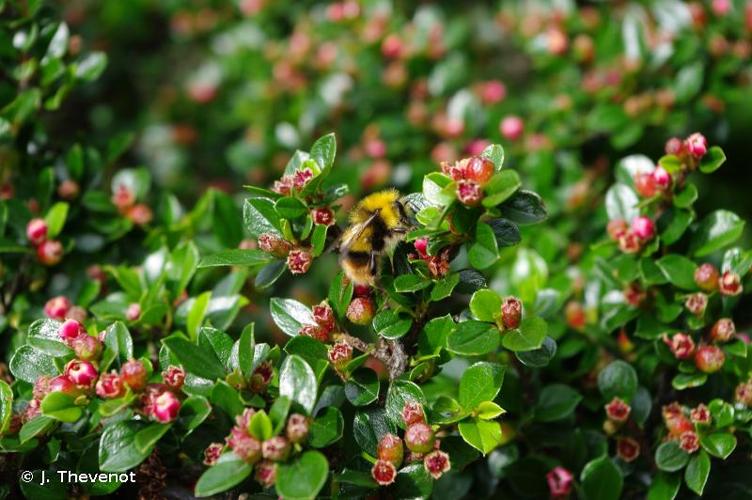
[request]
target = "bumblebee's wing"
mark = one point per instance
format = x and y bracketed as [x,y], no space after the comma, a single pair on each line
[352,233]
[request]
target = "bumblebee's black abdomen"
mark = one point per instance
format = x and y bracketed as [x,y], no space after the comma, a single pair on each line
[379,233]
[359,258]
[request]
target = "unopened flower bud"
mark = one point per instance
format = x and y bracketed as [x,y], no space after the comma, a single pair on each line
[419,437]
[674,146]
[643,227]
[262,377]
[681,345]
[140,214]
[50,252]
[709,359]
[174,377]
[413,413]
[706,277]
[57,308]
[63,384]
[437,463]
[110,386]
[479,169]
[629,242]
[384,472]
[676,422]
[360,311]
[123,197]
[421,245]
[616,228]
[645,184]
[273,244]
[299,260]
[81,373]
[166,407]
[68,189]
[86,347]
[662,178]
[70,329]
[212,453]
[133,312]
[511,127]
[133,374]
[511,312]
[689,442]
[297,428]
[696,145]
[323,315]
[700,415]
[730,284]
[627,449]
[36,231]
[244,445]
[323,216]
[315,331]
[574,313]
[559,482]
[276,449]
[696,303]
[340,354]
[723,330]
[266,473]
[617,410]
[390,449]
[743,393]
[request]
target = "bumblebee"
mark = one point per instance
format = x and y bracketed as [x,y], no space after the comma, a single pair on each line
[377,224]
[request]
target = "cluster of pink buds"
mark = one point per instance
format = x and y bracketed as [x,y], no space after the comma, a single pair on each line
[361,309]
[60,308]
[85,346]
[124,200]
[470,174]
[560,482]
[680,427]
[438,265]
[649,184]
[421,443]
[49,252]
[299,259]
[695,146]
[324,323]
[710,280]
[295,181]
[631,238]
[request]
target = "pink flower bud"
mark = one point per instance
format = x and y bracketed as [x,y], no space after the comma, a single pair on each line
[479,169]
[676,422]
[323,315]
[492,92]
[50,252]
[616,228]
[57,307]
[133,374]
[419,437]
[643,227]
[140,214]
[629,242]
[681,345]
[662,178]
[511,127]
[674,146]
[696,145]
[392,47]
[297,428]
[266,473]
[743,393]
[469,193]
[723,330]
[413,413]
[706,277]
[123,197]
[627,449]
[63,384]
[133,312]
[36,231]
[511,312]
[696,303]
[390,449]
[86,347]
[421,245]
[730,283]
[68,189]
[70,329]
[81,373]
[437,463]
[166,407]
[212,453]
[721,7]
[41,387]
[634,295]
[244,445]
[645,184]
[315,331]
[299,260]
[709,359]
[110,386]
[174,376]
[689,442]
[559,482]
[302,177]
[700,415]
[323,216]
[273,244]
[383,472]
[262,377]
[340,354]
[276,449]
[360,311]
[617,410]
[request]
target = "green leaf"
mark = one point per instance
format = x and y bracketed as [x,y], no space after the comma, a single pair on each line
[198,361]
[61,407]
[369,426]
[290,315]
[664,486]
[237,257]
[717,230]
[683,381]
[148,437]
[303,478]
[485,305]
[556,401]
[525,207]
[43,334]
[712,161]
[621,203]
[528,337]
[340,294]
[697,472]
[90,67]
[246,346]
[118,345]
[686,197]
[324,150]
[670,457]
[278,413]
[444,287]
[719,444]
[481,382]
[226,397]
[290,208]
[484,251]
[483,435]
[390,325]
[6,406]
[722,413]
[673,224]
[500,187]
[117,447]
[228,472]
[28,364]
[495,153]
[438,189]
[260,217]
[362,388]
[473,338]
[55,218]
[488,410]
[689,81]
[261,426]
[540,357]
[407,283]
[197,314]
[413,482]
[34,427]
[193,412]
[298,382]
[679,270]
[601,480]
[400,392]
[327,428]
[318,239]
[618,379]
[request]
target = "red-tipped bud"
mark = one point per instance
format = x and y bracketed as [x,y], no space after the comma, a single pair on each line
[674,146]
[314,331]
[86,347]
[81,373]
[643,227]
[133,374]
[323,216]
[419,437]
[723,330]
[743,393]
[676,422]
[384,472]
[360,311]
[689,442]
[634,295]
[469,193]
[700,415]
[262,377]
[36,231]
[302,177]
[123,197]
[50,252]
[77,313]
[68,189]
[559,482]
[212,453]
[273,244]
[63,384]
[617,410]
[512,127]
[41,387]
[696,303]
[323,315]
[299,260]
[266,473]
[340,354]
[616,228]
[244,445]
[479,169]
[645,184]
[413,413]
[511,312]
[390,449]
[392,47]
[682,346]
[730,284]
[492,92]
[437,463]
[627,449]
[57,308]
[706,277]
[276,449]
[574,313]
[696,145]
[70,329]
[709,359]
[629,242]
[421,245]
[140,214]
[110,386]
[662,178]
[133,312]
[243,421]
[297,428]
[174,377]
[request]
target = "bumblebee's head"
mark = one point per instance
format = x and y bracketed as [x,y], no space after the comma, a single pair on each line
[389,208]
